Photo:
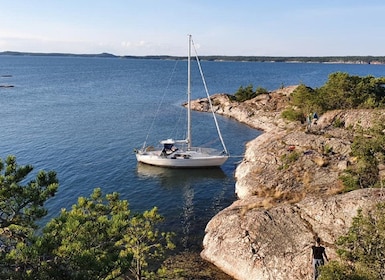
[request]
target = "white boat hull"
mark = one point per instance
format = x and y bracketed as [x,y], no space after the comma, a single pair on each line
[188,159]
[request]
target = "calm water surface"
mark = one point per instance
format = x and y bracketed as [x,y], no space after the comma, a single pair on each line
[83,117]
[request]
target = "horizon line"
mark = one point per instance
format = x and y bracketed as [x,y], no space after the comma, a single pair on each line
[107,54]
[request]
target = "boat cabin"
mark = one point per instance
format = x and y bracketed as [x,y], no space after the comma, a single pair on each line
[168,147]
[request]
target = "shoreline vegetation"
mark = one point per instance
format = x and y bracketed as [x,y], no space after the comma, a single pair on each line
[285,59]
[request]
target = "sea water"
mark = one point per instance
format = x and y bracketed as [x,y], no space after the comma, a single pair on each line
[83,117]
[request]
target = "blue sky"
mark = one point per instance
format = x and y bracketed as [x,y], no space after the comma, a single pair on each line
[219,27]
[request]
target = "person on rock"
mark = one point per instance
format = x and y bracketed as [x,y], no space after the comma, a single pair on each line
[318,257]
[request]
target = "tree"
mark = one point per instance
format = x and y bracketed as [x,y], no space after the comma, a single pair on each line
[21,205]
[99,238]
[305,102]
[244,94]
[362,249]
[304,98]
[81,243]
[261,90]
[343,91]
[368,148]
[141,241]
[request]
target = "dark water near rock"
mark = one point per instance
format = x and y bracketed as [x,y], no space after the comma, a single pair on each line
[83,117]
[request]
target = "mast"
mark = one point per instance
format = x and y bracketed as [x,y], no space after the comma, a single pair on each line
[209,99]
[189,94]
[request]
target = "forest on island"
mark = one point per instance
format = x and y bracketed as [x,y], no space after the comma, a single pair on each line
[289,59]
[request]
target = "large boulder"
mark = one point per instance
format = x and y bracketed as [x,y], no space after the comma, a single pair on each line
[249,242]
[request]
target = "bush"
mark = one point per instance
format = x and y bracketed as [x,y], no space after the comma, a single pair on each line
[369,153]
[341,91]
[293,115]
[337,271]
[350,181]
[99,238]
[290,158]
[261,90]
[248,93]
[361,250]
[244,94]
[339,123]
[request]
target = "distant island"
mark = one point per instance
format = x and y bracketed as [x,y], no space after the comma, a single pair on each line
[286,59]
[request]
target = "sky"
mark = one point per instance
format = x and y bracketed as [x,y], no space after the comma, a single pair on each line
[219,27]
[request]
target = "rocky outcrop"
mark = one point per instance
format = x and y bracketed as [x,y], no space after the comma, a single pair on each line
[263,112]
[288,188]
[296,162]
[253,243]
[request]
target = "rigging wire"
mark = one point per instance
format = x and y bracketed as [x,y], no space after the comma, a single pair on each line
[177,132]
[160,105]
[208,97]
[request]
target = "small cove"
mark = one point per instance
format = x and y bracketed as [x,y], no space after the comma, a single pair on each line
[83,118]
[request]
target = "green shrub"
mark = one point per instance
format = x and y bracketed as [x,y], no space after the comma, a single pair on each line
[293,115]
[248,93]
[349,181]
[261,90]
[368,149]
[338,271]
[244,94]
[338,123]
[289,158]
[361,250]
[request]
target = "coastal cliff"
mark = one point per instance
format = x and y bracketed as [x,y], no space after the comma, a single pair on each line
[288,188]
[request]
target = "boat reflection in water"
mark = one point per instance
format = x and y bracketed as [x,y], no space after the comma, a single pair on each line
[191,194]
[174,174]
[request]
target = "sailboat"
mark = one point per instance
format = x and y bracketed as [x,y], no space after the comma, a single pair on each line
[180,153]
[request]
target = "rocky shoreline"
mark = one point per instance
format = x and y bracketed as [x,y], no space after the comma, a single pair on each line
[288,188]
